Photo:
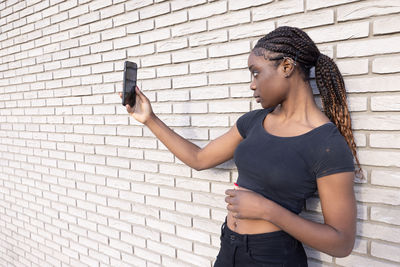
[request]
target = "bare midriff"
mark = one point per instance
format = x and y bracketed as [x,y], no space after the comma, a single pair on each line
[245,226]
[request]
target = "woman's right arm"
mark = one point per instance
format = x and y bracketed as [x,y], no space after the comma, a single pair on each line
[213,154]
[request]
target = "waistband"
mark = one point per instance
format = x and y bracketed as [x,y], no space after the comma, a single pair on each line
[226,232]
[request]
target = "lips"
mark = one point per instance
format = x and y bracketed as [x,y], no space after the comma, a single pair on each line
[258,99]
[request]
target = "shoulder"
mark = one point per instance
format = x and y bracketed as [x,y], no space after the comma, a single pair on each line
[245,121]
[332,153]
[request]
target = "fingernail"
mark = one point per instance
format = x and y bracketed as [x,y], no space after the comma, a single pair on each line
[235,184]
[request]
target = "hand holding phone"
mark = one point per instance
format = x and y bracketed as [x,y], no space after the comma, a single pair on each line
[129,83]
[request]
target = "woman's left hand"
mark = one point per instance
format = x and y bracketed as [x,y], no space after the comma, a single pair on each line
[246,204]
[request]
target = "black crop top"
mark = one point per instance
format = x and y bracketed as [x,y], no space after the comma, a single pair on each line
[285,169]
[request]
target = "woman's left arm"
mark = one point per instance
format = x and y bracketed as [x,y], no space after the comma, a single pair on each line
[335,236]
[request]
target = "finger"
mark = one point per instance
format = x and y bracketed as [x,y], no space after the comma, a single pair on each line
[228,199]
[140,94]
[230,192]
[230,207]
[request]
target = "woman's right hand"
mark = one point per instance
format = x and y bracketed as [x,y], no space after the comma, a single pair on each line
[142,110]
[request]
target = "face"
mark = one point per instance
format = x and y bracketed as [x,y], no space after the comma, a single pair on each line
[268,82]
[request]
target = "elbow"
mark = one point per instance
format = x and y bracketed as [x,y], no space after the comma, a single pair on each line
[198,168]
[344,252]
[344,249]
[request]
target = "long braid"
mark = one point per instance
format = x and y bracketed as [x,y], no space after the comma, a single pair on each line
[296,44]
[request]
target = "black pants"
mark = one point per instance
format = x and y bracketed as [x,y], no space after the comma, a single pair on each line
[259,250]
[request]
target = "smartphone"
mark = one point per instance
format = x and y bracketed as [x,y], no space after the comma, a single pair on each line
[130,76]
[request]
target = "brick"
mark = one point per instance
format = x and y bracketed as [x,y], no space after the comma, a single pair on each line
[372,84]
[99,4]
[353,67]
[209,92]
[386,25]
[209,199]
[156,60]
[101,25]
[176,69]
[360,139]
[241,91]
[161,156]
[180,4]
[160,202]
[230,19]
[208,38]
[192,258]
[229,106]
[164,227]
[161,248]
[189,81]
[339,32]
[386,64]
[385,251]
[140,26]
[141,50]
[147,254]
[157,84]
[316,4]
[229,77]
[174,44]
[375,231]
[154,10]
[113,33]
[173,169]
[375,121]
[384,140]
[187,108]
[170,19]
[135,4]
[309,19]
[357,103]
[278,9]
[205,11]
[235,5]
[189,28]
[367,9]
[189,55]
[126,42]
[368,47]
[385,178]
[112,11]
[158,179]
[209,65]
[127,18]
[379,158]
[176,95]
[386,214]
[378,195]
[194,234]
[230,49]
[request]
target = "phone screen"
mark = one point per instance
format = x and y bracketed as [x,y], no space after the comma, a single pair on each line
[130,74]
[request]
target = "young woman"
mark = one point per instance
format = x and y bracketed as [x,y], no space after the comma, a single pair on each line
[284,152]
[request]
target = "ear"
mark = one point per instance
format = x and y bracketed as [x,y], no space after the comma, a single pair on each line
[288,66]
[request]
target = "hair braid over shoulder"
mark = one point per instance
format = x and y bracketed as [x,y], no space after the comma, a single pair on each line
[295,43]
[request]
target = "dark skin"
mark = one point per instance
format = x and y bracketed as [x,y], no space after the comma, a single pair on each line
[296,114]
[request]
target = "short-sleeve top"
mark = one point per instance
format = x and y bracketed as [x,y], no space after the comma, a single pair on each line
[285,169]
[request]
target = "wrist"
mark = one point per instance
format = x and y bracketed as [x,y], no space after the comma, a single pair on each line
[152,117]
[268,209]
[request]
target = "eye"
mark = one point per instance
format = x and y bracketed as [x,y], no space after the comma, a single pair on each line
[254,73]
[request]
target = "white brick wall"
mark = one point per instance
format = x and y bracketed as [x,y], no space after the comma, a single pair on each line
[82,184]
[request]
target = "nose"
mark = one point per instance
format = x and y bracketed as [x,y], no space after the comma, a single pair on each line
[253,85]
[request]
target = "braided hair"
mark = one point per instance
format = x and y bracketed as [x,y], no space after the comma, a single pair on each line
[296,44]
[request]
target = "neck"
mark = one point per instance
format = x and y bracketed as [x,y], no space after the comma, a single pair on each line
[299,103]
